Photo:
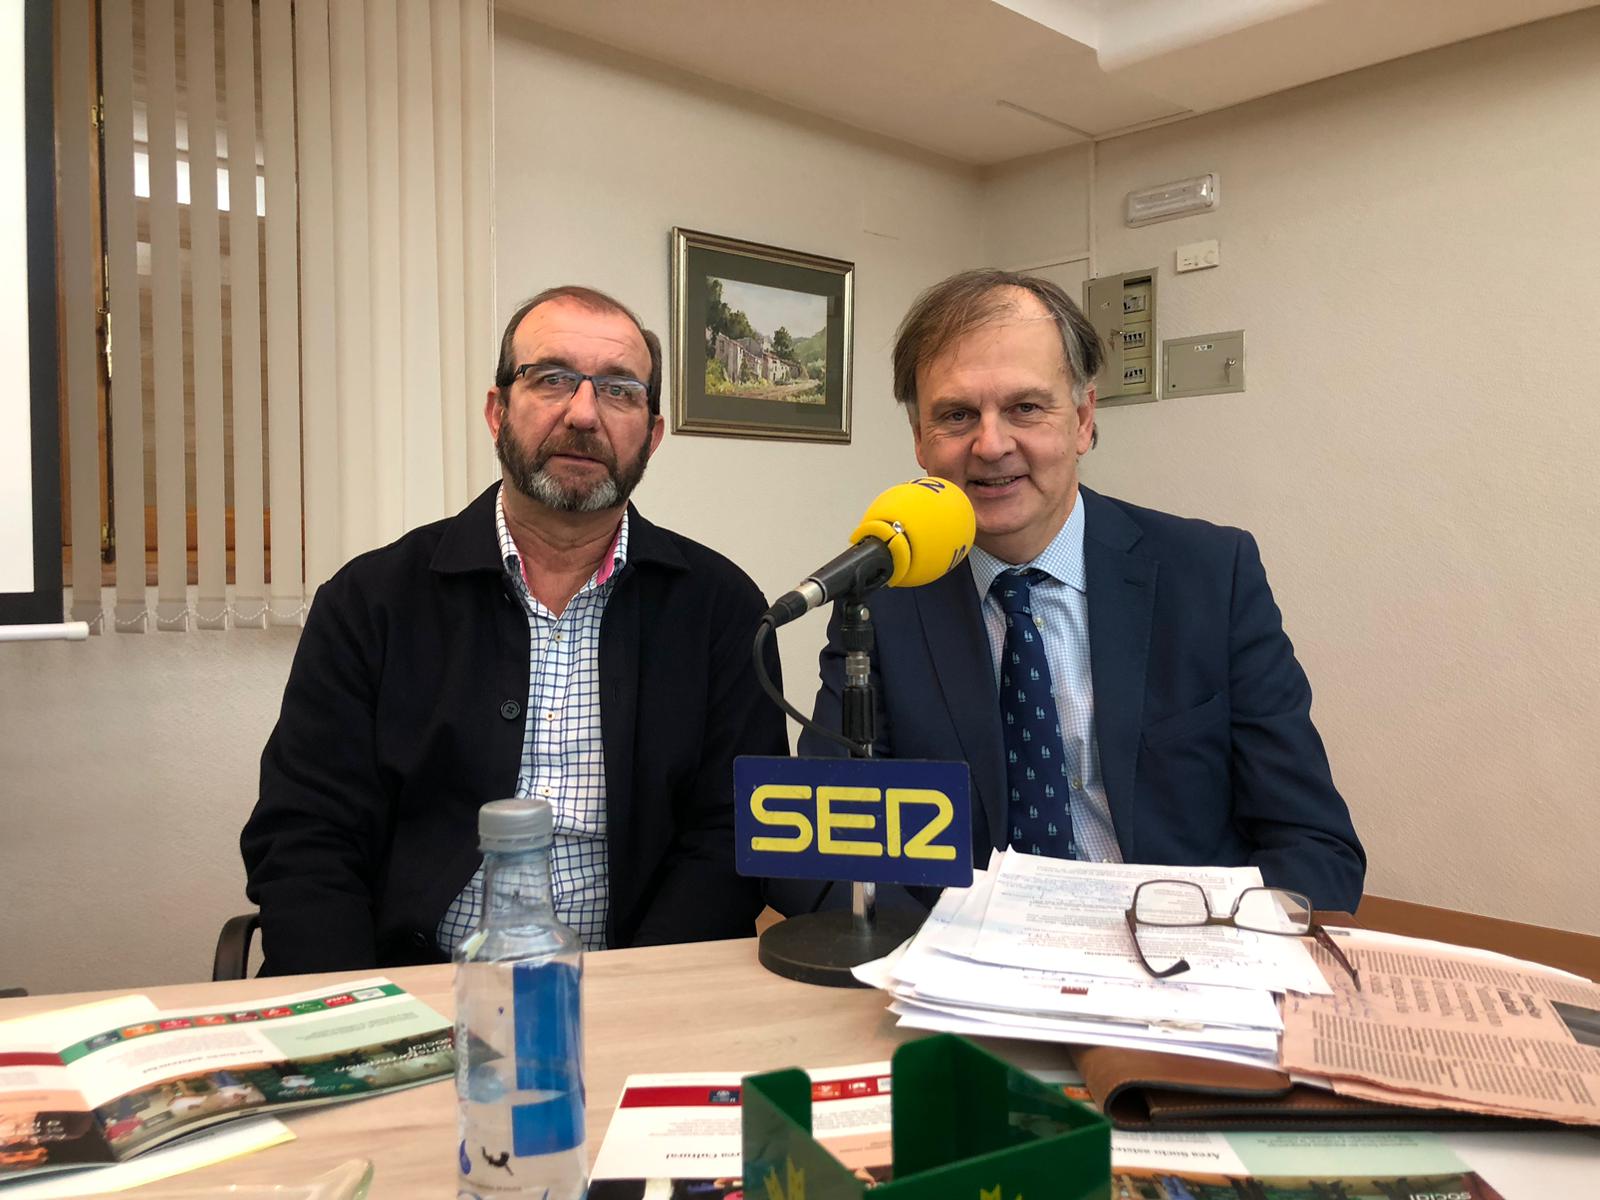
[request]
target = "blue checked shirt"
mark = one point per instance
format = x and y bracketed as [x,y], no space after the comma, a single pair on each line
[563,757]
[1061,612]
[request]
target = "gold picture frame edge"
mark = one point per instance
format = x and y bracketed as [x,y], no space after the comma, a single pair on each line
[683,240]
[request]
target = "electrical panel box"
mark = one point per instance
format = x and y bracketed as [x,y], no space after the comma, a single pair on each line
[1203,366]
[1122,309]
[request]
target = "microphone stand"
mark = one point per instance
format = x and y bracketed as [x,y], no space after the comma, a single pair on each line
[822,947]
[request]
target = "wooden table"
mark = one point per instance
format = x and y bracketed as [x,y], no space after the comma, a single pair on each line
[1577,952]
[703,1007]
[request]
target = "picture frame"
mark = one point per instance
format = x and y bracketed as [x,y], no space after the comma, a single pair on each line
[762,340]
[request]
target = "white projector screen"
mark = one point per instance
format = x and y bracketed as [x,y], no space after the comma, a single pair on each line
[30,486]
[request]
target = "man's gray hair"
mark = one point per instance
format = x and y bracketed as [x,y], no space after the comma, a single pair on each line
[955,307]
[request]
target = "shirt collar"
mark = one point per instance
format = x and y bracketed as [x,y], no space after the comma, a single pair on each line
[609,565]
[1062,559]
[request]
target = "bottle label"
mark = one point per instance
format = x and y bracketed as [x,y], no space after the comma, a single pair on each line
[546,999]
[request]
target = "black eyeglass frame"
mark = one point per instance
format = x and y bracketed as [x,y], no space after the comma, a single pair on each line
[1313,930]
[636,388]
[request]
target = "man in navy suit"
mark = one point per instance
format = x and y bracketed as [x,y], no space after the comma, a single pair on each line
[1118,679]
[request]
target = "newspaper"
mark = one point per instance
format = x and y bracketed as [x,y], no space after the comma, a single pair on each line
[1439,1026]
[103,1082]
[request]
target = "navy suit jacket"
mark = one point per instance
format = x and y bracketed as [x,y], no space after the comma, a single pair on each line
[1202,713]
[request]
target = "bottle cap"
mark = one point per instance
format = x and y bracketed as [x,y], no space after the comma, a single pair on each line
[519,824]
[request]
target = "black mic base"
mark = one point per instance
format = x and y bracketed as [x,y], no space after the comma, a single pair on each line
[821,947]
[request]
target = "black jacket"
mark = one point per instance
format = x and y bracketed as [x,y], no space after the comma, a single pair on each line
[404,713]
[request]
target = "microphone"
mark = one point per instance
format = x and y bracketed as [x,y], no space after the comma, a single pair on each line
[912,534]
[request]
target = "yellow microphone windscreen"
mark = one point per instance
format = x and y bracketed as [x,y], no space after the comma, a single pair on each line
[928,525]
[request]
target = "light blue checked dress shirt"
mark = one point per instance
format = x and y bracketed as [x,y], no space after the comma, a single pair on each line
[1061,613]
[563,757]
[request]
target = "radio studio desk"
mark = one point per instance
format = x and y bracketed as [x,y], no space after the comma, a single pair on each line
[711,1006]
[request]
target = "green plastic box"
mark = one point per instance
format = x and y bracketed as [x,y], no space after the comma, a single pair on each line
[966,1126]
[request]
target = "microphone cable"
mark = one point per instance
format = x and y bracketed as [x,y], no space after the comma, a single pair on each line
[764,629]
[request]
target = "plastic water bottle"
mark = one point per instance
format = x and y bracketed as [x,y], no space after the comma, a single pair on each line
[519,1042]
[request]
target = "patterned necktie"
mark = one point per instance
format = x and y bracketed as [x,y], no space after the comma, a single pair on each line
[1038,777]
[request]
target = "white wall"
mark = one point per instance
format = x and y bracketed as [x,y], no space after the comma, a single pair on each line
[1411,250]
[598,157]
[1036,210]
[127,766]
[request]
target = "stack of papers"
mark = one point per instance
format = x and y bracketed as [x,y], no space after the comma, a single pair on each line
[1039,948]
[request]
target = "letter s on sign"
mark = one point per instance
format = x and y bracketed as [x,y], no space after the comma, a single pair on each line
[781,820]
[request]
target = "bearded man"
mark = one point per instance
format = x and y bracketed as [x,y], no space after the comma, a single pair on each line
[547,641]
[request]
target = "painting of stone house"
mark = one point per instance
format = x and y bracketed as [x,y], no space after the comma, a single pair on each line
[762,340]
[765,343]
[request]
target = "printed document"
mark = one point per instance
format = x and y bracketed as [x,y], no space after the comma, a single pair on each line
[679,1136]
[1060,915]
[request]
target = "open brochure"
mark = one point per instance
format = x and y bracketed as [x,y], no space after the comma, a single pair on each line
[102,1082]
[677,1137]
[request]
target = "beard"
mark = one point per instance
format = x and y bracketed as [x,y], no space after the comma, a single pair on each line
[529,473]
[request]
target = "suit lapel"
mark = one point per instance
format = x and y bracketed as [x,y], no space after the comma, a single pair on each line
[952,622]
[1121,595]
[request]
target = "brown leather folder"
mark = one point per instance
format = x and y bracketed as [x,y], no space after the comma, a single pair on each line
[1145,1089]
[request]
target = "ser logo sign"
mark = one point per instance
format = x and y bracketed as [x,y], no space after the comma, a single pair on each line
[873,820]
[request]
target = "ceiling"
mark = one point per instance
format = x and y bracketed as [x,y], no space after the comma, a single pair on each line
[984,81]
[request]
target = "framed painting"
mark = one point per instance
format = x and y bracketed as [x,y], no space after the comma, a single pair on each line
[761,340]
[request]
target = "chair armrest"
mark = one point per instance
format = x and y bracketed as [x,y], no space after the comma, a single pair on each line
[233,947]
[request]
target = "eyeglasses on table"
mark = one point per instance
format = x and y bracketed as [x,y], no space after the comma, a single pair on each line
[1164,904]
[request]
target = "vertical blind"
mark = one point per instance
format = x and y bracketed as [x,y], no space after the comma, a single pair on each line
[273,365]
